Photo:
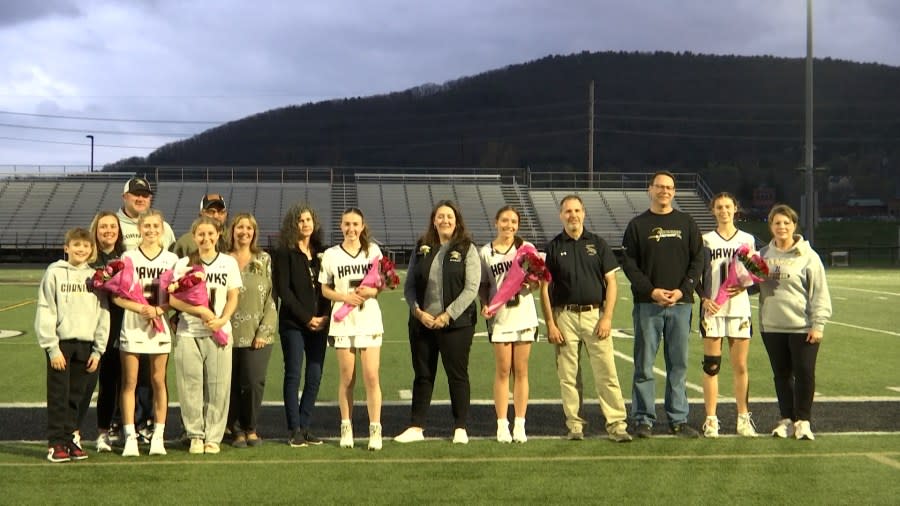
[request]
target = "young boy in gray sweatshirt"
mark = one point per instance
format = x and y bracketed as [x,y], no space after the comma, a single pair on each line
[72,326]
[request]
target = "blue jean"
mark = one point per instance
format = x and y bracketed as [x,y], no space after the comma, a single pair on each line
[672,325]
[294,344]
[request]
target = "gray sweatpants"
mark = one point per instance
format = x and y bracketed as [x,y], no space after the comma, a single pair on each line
[203,376]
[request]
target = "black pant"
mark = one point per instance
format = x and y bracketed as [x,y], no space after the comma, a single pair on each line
[453,345]
[794,368]
[65,389]
[248,384]
[110,378]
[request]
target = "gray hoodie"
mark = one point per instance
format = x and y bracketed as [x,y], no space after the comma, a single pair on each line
[69,308]
[795,298]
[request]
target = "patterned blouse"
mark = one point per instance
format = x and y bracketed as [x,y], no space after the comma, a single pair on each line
[255,315]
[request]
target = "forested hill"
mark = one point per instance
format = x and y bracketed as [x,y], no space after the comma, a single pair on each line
[729,117]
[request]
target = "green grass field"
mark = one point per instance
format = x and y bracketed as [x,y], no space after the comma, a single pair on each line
[858,359]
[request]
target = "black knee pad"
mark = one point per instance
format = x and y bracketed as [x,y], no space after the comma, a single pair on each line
[712,364]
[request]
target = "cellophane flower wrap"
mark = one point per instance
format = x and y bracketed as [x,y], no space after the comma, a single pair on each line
[382,273]
[117,277]
[191,289]
[527,266]
[744,269]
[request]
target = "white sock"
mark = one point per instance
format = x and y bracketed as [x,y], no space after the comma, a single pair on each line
[158,430]
[345,422]
[502,422]
[129,429]
[520,422]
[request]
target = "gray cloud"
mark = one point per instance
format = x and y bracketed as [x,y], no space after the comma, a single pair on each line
[15,12]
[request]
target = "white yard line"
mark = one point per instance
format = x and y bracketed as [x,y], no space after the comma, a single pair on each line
[858,327]
[878,292]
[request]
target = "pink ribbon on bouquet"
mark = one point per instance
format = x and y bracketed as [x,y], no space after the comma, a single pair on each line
[517,276]
[372,279]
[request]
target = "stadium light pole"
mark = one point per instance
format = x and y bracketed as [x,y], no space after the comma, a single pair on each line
[810,179]
[91,137]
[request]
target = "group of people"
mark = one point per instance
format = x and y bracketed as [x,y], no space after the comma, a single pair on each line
[221,385]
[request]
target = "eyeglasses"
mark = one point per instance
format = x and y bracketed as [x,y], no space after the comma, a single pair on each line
[663,187]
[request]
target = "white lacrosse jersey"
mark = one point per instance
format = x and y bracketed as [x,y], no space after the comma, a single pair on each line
[344,272]
[222,275]
[137,336]
[517,314]
[721,252]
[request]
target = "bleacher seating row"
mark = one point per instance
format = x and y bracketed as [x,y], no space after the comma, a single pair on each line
[35,213]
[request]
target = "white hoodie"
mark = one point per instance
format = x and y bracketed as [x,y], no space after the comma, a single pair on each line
[131,236]
[794,298]
[68,308]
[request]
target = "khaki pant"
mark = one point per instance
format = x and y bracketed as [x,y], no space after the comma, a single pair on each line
[580,330]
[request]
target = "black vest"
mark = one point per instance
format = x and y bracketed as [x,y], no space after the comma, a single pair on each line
[454,280]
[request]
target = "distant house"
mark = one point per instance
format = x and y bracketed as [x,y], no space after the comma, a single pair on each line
[866,207]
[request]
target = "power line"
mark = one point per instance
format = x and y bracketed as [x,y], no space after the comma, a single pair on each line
[107,132]
[42,141]
[117,120]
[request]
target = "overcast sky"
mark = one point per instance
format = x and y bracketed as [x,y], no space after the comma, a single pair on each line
[182,66]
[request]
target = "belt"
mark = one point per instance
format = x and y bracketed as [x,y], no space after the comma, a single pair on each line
[580,308]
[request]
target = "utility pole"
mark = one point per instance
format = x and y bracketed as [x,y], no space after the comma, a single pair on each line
[810,211]
[590,159]
[91,137]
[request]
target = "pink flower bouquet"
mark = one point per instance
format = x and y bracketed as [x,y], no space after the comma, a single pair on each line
[117,278]
[527,266]
[191,288]
[744,269]
[382,274]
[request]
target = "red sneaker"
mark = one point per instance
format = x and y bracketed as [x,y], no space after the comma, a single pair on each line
[58,453]
[75,451]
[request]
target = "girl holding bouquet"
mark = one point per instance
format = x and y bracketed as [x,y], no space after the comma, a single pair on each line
[141,335]
[794,305]
[730,319]
[253,328]
[511,329]
[202,366]
[343,267]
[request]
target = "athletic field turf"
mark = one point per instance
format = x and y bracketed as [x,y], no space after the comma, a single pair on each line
[855,459]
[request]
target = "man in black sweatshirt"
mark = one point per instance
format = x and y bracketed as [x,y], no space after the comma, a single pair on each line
[663,260]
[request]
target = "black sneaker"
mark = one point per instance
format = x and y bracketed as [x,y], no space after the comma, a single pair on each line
[296,440]
[58,453]
[684,430]
[310,439]
[643,431]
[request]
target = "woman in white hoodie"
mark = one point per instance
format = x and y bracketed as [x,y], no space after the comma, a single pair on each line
[794,305]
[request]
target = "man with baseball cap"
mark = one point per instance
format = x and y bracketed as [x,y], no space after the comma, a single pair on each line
[137,195]
[212,205]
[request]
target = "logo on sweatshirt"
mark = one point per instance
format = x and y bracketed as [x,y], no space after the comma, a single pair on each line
[659,233]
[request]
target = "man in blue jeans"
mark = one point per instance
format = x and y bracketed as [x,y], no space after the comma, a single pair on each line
[663,259]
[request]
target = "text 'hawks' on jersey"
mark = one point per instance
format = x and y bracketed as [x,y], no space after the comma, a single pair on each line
[721,252]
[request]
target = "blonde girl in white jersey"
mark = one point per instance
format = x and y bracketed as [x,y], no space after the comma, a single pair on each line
[138,336]
[512,328]
[731,319]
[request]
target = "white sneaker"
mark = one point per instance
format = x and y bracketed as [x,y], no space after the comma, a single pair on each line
[503,435]
[157,446]
[411,435]
[745,425]
[103,443]
[711,427]
[518,434]
[131,447]
[374,436]
[211,448]
[784,428]
[196,446]
[460,437]
[802,430]
[346,435]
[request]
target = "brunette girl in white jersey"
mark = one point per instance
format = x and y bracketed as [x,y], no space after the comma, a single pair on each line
[202,366]
[731,319]
[139,337]
[512,329]
[343,267]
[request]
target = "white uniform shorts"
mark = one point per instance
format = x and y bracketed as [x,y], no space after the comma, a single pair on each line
[147,346]
[366,341]
[726,326]
[515,336]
